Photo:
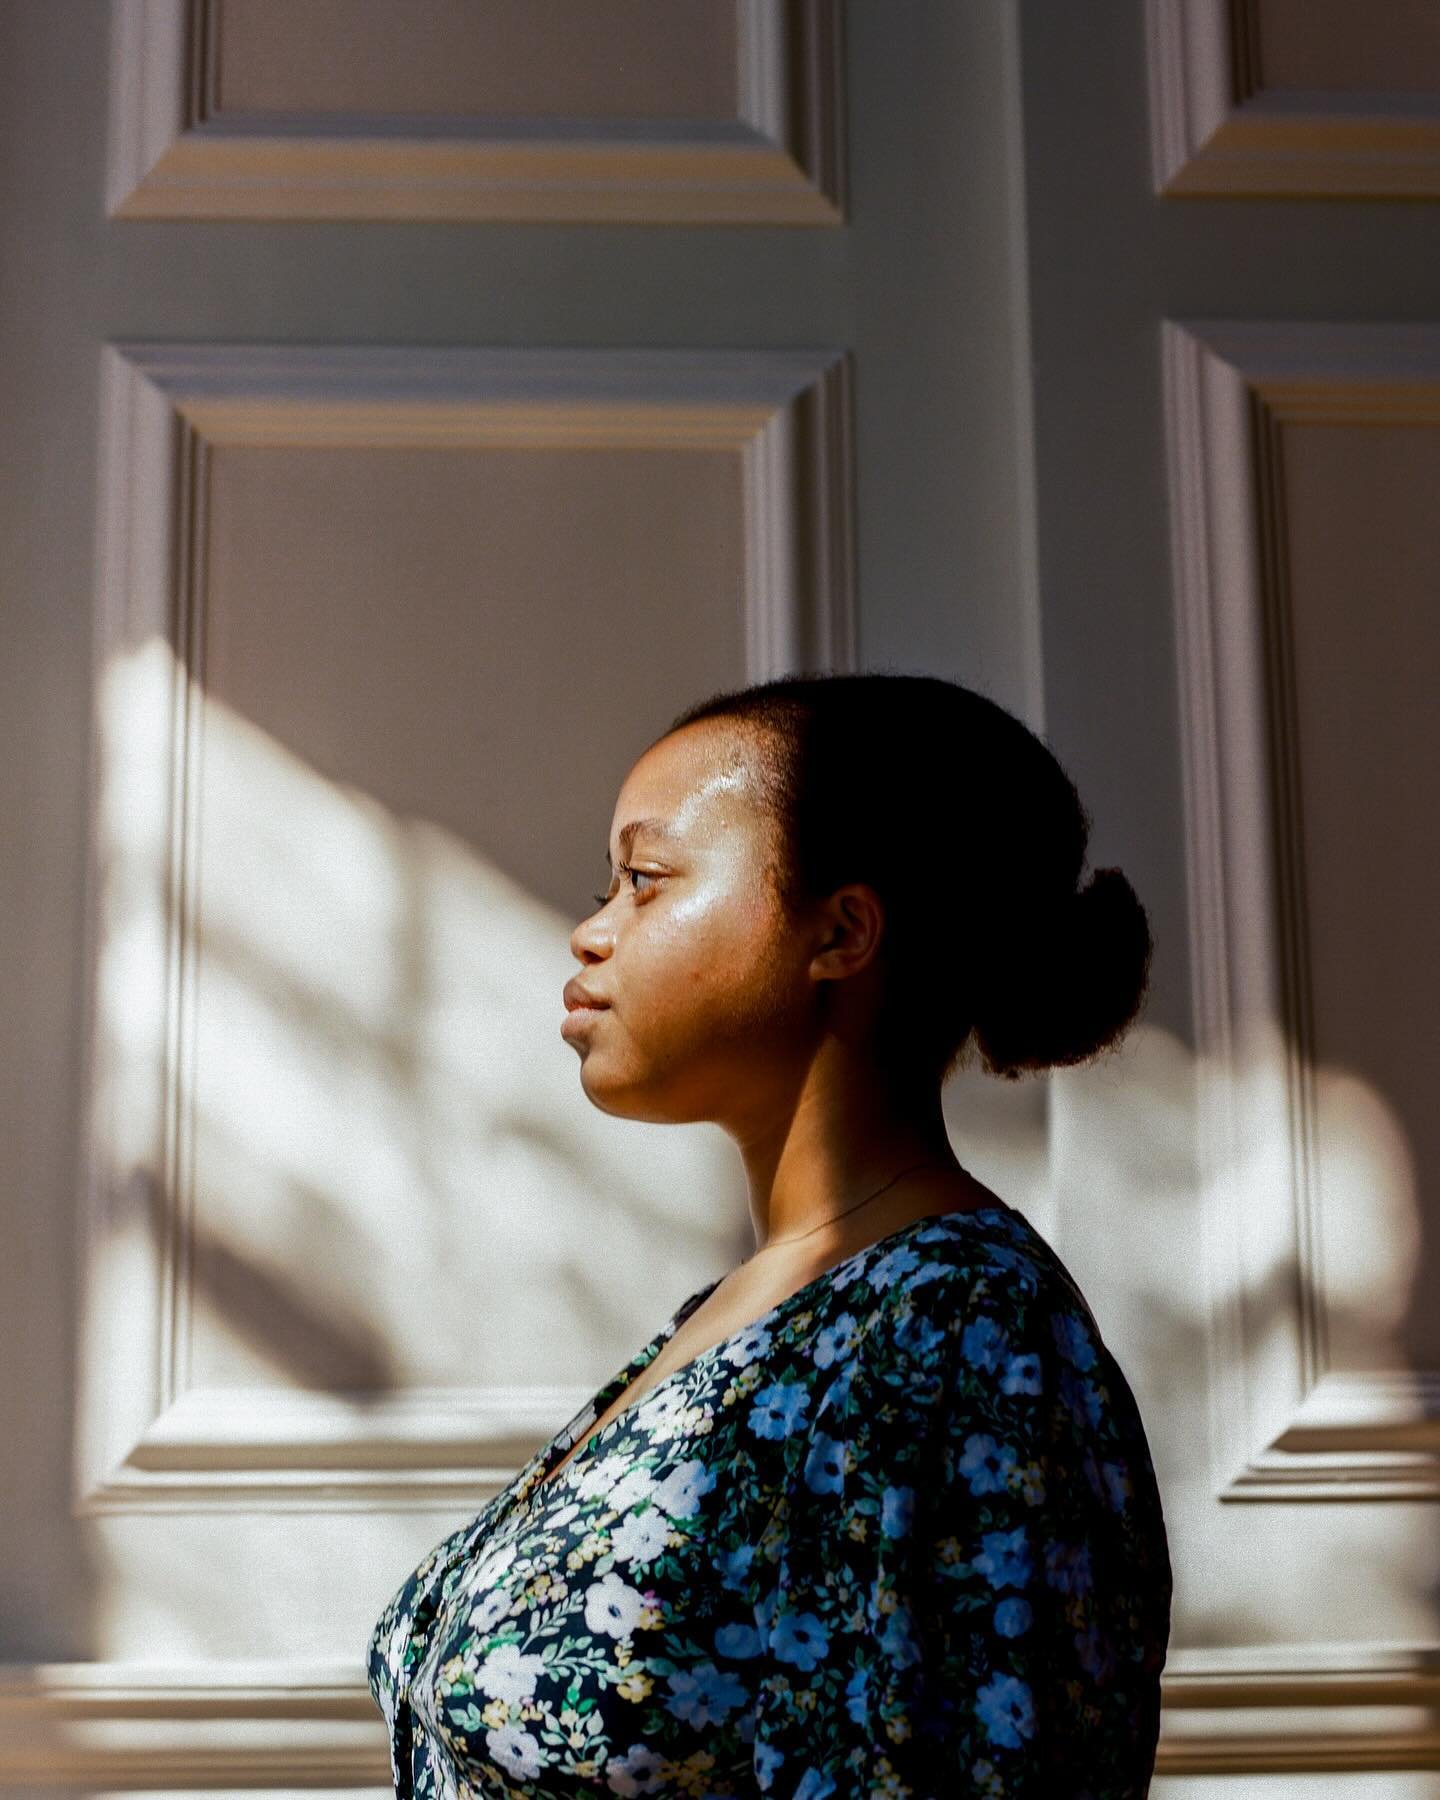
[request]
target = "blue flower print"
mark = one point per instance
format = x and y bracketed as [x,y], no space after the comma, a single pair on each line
[927,1271]
[1118,1485]
[704,1695]
[986,1464]
[799,1638]
[1006,1708]
[767,1764]
[836,1397]
[857,1695]
[1067,1567]
[733,1566]
[919,1335]
[983,1344]
[865,1549]
[737,1640]
[898,1640]
[639,1771]
[893,1267]
[1004,1558]
[1096,1656]
[683,1489]
[1013,1616]
[778,1409]
[815,1786]
[1073,1340]
[1081,1396]
[897,1510]
[825,1465]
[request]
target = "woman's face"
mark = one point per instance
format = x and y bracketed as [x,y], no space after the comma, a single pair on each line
[707,997]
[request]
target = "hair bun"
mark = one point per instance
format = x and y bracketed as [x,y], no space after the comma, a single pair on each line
[988,937]
[1069,980]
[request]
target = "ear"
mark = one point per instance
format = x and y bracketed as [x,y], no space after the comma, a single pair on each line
[852,927]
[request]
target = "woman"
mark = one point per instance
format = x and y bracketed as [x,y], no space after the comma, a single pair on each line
[873,1513]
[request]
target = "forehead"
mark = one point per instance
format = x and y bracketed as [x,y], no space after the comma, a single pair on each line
[696,778]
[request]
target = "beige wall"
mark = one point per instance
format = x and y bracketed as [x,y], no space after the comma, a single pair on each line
[347,426]
[1235,430]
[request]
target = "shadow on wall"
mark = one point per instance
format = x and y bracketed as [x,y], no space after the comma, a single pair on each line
[355,1234]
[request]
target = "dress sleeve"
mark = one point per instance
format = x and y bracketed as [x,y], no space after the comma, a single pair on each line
[965,1589]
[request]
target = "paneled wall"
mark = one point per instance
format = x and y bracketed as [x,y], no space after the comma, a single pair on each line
[1235,317]
[407,409]
[594,111]
[1317,98]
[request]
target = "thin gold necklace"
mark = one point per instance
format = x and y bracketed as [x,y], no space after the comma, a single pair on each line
[775,1242]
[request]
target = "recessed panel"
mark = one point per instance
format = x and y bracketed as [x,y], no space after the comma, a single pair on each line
[424,675]
[540,59]
[382,632]
[1335,46]
[653,111]
[1304,460]
[1302,97]
[1365,641]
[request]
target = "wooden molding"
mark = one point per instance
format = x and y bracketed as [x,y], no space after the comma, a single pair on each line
[160,1726]
[1213,133]
[419,1450]
[148,1437]
[272,1724]
[779,162]
[1293,1708]
[1285,1424]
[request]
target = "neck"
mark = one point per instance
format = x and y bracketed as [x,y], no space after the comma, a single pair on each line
[845,1135]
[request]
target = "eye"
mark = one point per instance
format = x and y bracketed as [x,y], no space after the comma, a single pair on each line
[624,868]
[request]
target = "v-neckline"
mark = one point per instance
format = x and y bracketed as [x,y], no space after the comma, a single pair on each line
[538,1477]
[533,1479]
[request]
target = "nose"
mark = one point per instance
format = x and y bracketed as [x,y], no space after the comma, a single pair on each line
[587,941]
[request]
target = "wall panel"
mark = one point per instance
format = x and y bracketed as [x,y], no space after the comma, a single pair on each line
[1266,97]
[314,1057]
[1302,460]
[596,111]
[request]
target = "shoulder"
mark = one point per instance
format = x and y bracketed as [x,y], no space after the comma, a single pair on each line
[959,1282]
[968,1316]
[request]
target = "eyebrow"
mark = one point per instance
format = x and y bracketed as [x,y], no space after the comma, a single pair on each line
[628,833]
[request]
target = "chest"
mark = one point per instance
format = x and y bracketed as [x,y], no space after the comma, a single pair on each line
[735,1305]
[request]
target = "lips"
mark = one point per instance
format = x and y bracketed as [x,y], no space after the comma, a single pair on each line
[576,996]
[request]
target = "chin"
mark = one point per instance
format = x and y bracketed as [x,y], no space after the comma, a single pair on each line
[634,1100]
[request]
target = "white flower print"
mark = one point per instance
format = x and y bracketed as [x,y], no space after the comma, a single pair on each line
[508,1674]
[856,1550]
[640,1536]
[613,1606]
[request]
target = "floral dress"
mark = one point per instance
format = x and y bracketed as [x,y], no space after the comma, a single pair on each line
[901,1536]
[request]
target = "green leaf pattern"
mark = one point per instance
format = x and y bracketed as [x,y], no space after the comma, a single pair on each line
[899,1537]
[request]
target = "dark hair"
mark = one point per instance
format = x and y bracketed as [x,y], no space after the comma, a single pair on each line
[973,837]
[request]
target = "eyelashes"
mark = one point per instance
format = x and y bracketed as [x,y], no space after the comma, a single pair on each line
[624,869]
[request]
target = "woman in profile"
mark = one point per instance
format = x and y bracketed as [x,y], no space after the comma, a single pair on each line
[874,1513]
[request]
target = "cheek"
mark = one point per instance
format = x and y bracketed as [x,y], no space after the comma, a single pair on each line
[721,962]
[737,963]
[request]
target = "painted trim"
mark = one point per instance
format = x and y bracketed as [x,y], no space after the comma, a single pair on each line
[1214,132]
[148,1437]
[780,161]
[1285,1424]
